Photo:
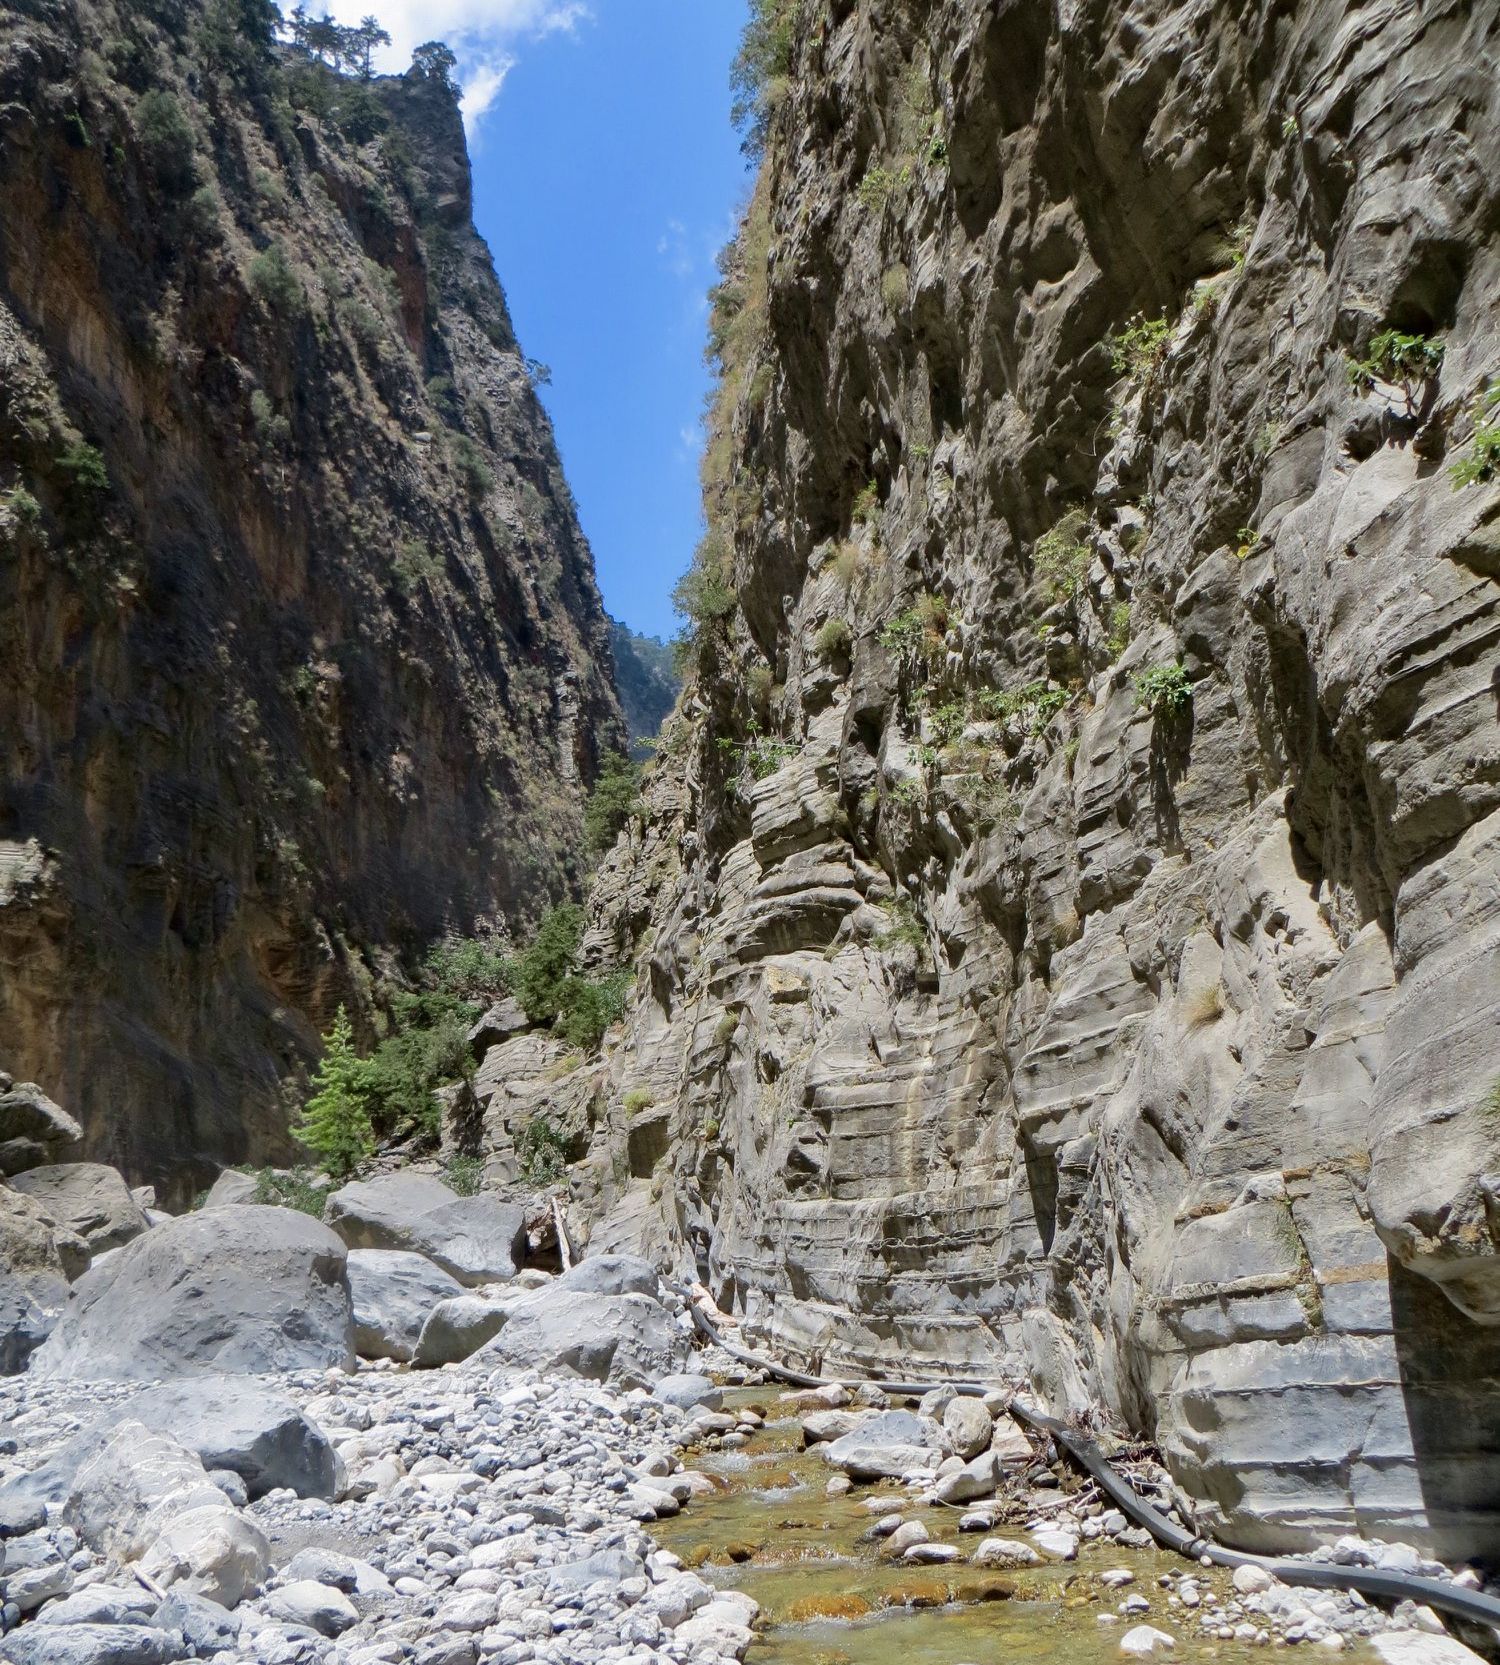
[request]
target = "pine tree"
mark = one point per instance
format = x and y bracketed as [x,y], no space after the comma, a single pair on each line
[335,1122]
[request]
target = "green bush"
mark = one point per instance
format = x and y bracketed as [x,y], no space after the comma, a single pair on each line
[85,464]
[758,76]
[1061,557]
[704,595]
[1406,361]
[1163,689]
[1137,350]
[588,1006]
[414,564]
[542,1151]
[275,282]
[428,1047]
[539,973]
[1483,459]
[464,1174]
[335,1122]
[613,800]
[297,1189]
[637,1099]
[167,140]
[471,465]
[833,640]
[468,969]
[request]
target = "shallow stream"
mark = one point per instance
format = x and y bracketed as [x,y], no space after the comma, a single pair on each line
[830,1597]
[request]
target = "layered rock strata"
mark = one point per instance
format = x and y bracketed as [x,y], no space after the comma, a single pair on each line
[1065,913]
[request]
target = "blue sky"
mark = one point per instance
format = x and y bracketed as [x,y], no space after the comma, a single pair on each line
[606,177]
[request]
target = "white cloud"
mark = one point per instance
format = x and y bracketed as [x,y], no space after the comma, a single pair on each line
[483,33]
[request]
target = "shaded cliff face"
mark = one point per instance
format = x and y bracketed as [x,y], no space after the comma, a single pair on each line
[1066,916]
[301,656]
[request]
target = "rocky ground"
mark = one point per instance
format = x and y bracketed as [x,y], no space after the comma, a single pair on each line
[381,1437]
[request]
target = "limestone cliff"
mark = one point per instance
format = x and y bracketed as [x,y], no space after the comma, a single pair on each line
[1066,914]
[301,655]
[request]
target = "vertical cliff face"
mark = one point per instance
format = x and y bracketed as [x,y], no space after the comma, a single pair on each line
[1066,916]
[301,656]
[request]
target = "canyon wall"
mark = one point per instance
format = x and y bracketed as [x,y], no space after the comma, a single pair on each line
[1065,906]
[301,655]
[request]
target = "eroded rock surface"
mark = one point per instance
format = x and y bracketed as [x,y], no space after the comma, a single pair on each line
[1065,915]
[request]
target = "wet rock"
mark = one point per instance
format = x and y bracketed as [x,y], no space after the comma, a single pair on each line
[1142,1641]
[1005,1552]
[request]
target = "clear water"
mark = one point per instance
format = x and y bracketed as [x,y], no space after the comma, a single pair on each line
[829,1598]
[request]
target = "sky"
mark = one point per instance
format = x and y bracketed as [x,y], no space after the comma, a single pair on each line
[606,177]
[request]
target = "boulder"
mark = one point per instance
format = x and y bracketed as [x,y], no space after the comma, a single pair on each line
[231,1423]
[100,1604]
[231,1188]
[137,1481]
[976,1478]
[968,1426]
[318,1606]
[1142,1641]
[33,1277]
[477,1240]
[206,1626]
[394,1293]
[33,1130]
[457,1327]
[821,1426]
[611,1275]
[213,1551]
[1005,1552]
[228,1422]
[506,1018]
[886,1446]
[625,1340]
[88,1198]
[224,1290]
[687,1392]
[91,1645]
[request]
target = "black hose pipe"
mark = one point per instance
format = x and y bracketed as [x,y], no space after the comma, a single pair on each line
[1472,1605]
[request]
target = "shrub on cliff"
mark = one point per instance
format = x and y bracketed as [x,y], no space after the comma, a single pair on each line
[539,973]
[612,802]
[335,1122]
[758,76]
[167,140]
[275,282]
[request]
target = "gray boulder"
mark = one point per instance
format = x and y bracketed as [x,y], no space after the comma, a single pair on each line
[221,1291]
[612,1275]
[887,1445]
[394,1292]
[318,1606]
[206,1627]
[232,1423]
[231,1188]
[475,1239]
[458,1327]
[89,1198]
[33,1130]
[687,1392]
[625,1340]
[92,1645]
[36,1259]
[100,1604]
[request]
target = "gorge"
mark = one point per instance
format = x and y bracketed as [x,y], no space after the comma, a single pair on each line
[1057,935]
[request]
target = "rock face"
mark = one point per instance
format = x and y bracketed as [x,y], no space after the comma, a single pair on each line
[225,1290]
[300,645]
[1066,918]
